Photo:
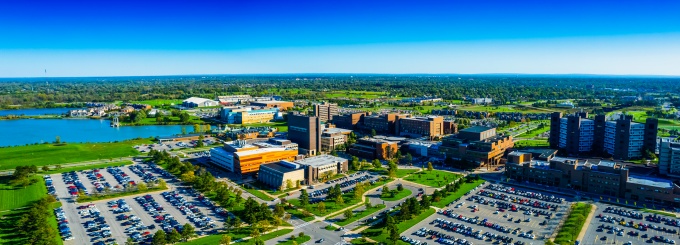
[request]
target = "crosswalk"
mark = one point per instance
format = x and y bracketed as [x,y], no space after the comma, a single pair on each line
[301,225]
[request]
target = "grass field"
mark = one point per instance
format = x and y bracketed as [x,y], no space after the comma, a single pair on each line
[434,178]
[572,226]
[48,154]
[173,121]
[360,215]
[535,133]
[271,191]
[398,196]
[378,234]
[500,108]
[86,167]
[15,197]
[299,214]
[532,143]
[355,94]
[215,239]
[464,188]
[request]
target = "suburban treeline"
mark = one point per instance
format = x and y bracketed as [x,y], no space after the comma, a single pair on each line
[35,225]
[52,92]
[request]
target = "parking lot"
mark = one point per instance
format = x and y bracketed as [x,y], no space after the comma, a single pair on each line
[492,214]
[138,216]
[619,225]
[170,145]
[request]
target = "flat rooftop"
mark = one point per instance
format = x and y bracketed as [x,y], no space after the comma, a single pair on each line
[476,129]
[259,151]
[607,164]
[322,160]
[649,181]
[336,130]
[279,167]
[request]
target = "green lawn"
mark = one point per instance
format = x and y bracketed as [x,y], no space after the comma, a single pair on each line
[331,206]
[434,178]
[48,154]
[15,197]
[355,94]
[86,167]
[280,126]
[299,214]
[400,172]
[658,212]
[532,143]
[173,121]
[258,193]
[402,194]
[464,188]
[378,234]
[215,239]
[273,191]
[535,132]
[299,240]
[360,241]
[360,215]
[92,197]
[265,237]
[572,226]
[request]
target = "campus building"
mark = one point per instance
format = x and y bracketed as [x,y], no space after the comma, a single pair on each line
[198,102]
[478,144]
[373,148]
[333,137]
[250,133]
[621,138]
[305,131]
[669,158]
[431,126]
[349,121]
[246,115]
[320,167]
[277,174]
[383,124]
[281,105]
[325,111]
[603,178]
[243,158]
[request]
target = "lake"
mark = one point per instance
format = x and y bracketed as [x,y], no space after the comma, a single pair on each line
[36,112]
[29,131]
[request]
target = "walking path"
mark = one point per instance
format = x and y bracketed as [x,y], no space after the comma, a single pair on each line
[587,223]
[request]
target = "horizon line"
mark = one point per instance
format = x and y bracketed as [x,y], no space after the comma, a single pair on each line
[364,74]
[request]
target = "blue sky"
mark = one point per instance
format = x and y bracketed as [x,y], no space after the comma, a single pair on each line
[113,38]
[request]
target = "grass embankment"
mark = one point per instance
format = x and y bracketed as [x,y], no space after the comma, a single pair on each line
[12,197]
[360,215]
[572,226]
[464,188]
[48,154]
[13,200]
[658,212]
[398,196]
[298,240]
[258,193]
[86,167]
[532,143]
[280,126]
[378,234]
[434,178]
[96,197]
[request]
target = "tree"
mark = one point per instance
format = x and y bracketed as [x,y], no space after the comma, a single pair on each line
[188,231]
[226,240]
[321,207]
[348,214]
[58,166]
[289,184]
[57,140]
[141,186]
[368,205]
[339,200]
[385,190]
[373,133]
[46,168]
[376,163]
[197,128]
[184,130]
[162,184]
[429,166]
[304,198]
[408,159]
[159,238]
[199,143]
[129,241]
[297,184]
[184,117]
[174,236]
[355,163]
[400,187]
[389,151]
